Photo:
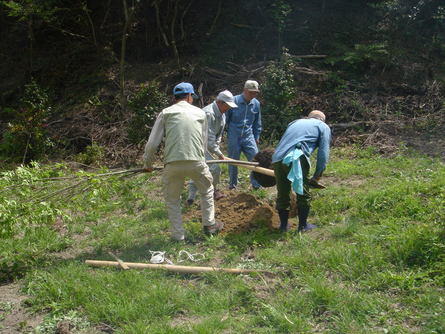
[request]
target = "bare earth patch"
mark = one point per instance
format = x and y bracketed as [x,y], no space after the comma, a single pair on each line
[14,317]
[240,212]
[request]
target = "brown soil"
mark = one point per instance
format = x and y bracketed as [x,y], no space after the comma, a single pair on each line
[240,212]
[14,317]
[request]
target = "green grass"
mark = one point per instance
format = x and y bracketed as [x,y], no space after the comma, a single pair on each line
[375,265]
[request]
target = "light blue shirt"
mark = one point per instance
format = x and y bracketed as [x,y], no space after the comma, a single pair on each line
[215,123]
[306,134]
[244,121]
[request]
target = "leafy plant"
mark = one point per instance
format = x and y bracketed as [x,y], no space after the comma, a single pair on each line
[278,90]
[363,56]
[93,155]
[26,136]
[145,104]
[72,319]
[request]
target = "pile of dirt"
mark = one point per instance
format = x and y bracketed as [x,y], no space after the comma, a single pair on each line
[240,212]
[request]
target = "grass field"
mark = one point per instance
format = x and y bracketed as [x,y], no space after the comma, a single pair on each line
[375,265]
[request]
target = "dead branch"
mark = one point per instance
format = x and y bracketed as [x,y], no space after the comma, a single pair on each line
[310,56]
[359,124]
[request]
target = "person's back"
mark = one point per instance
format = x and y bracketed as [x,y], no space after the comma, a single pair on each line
[184,128]
[291,165]
[306,133]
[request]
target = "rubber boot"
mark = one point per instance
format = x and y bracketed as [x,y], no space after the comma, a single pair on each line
[284,219]
[303,225]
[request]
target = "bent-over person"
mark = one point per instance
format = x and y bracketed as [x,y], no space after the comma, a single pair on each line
[291,163]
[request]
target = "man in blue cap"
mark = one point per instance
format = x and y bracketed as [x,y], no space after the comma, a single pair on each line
[185,129]
[291,165]
[244,129]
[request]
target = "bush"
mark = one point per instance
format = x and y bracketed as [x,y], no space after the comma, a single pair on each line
[93,155]
[145,104]
[362,57]
[278,90]
[26,137]
[27,231]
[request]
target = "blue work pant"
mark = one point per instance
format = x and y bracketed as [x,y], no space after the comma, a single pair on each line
[235,147]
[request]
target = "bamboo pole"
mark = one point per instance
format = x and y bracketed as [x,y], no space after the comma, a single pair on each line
[170,267]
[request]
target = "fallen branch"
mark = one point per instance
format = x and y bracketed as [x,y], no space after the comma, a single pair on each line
[124,173]
[174,268]
[360,124]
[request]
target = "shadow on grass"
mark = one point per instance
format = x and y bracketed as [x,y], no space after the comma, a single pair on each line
[263,237]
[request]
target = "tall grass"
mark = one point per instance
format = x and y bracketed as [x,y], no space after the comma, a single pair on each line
[375,265]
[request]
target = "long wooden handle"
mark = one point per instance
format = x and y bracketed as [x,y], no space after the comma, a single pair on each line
[170,267]
[260,170]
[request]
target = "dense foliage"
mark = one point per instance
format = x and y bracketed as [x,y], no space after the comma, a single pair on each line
[97,53]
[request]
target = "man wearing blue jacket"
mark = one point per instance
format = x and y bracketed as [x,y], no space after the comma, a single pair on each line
[291,165]
[244,129]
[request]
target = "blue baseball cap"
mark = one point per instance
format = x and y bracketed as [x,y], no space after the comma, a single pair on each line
[184,88]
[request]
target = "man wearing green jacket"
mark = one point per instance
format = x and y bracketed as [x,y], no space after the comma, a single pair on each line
[185,129]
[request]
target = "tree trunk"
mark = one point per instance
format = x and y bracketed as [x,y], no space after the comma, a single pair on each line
[128,13]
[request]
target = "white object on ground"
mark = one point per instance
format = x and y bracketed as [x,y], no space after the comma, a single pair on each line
[158,257]
[191,257]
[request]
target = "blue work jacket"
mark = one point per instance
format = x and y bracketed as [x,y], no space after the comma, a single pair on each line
[306,134]
[244,121]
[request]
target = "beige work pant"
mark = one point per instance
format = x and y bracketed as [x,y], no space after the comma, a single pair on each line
[215,170]
[173,179]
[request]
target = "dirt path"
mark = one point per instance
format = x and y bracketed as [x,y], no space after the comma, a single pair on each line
[14,317]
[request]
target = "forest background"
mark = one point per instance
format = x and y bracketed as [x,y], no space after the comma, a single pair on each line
[81,83]
[87,78]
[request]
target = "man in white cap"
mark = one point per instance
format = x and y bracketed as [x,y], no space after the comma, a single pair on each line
[185,130]
[244,129]
[215,113]
[291,162]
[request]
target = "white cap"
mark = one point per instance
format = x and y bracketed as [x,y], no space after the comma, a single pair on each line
[227,97]
[252,86]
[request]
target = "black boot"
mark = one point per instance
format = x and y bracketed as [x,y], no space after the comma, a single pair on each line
[303,225]
[284,218]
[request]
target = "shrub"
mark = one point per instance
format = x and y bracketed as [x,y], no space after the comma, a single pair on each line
[278,90]
[145,104]
[93,155]
[26,136]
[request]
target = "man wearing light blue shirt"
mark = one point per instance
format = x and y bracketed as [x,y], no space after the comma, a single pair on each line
[244,129]
[216,120]
[291,165]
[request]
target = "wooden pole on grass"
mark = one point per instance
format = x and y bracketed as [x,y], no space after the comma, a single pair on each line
[171,267]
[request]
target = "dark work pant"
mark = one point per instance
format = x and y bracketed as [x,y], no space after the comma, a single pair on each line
[284,186]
